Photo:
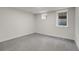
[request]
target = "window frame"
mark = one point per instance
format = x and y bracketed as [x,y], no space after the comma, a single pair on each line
[61,11]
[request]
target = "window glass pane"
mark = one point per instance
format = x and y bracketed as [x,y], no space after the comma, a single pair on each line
[62,15]
[62,19]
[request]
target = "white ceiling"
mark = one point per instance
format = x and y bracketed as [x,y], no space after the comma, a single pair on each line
[36,10]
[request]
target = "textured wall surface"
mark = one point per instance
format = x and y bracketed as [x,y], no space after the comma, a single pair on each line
[15,23]
[49,27]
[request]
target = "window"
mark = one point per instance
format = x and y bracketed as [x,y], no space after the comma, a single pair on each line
[62,18]
[44,16]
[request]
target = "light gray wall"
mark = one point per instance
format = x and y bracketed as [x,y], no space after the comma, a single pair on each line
[15,23]
[48,26]
[77,26]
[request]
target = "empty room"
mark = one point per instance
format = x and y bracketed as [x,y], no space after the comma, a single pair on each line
[39,29]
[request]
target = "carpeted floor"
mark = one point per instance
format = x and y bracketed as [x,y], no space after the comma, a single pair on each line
[38,42]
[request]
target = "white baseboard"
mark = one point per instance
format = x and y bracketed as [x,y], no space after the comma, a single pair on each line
[29,34]
[16,37]
[77,43]
[55,36]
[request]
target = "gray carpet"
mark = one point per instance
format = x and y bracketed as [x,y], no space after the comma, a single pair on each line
[38,42]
